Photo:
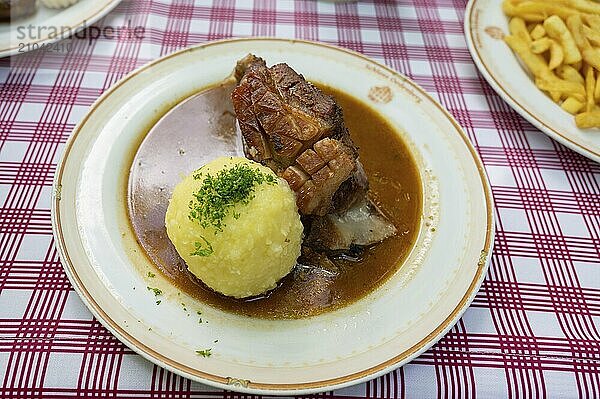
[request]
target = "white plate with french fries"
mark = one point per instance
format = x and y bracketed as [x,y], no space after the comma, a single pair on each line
[543,58]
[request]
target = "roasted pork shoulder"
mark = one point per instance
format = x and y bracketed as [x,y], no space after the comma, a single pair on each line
[291,126]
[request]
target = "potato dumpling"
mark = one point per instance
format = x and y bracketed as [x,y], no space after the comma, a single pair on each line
[236,225]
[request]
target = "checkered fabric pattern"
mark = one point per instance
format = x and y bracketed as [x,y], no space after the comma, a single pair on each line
[533,330]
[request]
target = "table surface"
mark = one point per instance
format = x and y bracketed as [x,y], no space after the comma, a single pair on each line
[533,329]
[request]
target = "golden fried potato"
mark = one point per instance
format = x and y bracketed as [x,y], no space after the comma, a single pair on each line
[510,9]
[556,29]
[589,54]
[584,6]
[571,105]
[593,21]
[518,28]
[537,32]
[567,72]
[573,6]
[590,86]
[575,26]
[531,11]
[557,55]
[592,57]
[545,78]
[597,88]
[556,52]
[559,43]
[541,45]
[555,96]
[534,62]
[587,120]
[553,83]
[592,35]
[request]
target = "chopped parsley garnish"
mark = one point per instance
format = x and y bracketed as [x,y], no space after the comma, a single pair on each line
[202,248]
[151,275]
[156,291]
[204,352]
[219,194]
[158,302]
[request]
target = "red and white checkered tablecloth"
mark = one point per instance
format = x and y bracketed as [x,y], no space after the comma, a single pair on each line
[533,330]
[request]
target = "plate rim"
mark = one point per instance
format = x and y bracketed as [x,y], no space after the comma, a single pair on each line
[75,28]
[271,388]
[521,109]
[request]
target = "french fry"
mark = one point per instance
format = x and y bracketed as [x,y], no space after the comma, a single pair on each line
[556,52]
[558,41]
[587,120]
[555,96]
[518,28]
[552,83]
[556,29]
[575,25]
[530,10]
[541,45]
[534,62]
[590,86]
[592,57]
[537,32]
[557,55]
[571,105]
[592,35]
[593,21]
[597,88]
[569,73]
[510,9]
[584,6]
[545,79]
[589,54]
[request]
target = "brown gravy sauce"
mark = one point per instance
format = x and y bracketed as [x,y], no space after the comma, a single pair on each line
[202,128]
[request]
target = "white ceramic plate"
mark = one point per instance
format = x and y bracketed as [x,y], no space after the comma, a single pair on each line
[388,328]
[14,38]
[485,25]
